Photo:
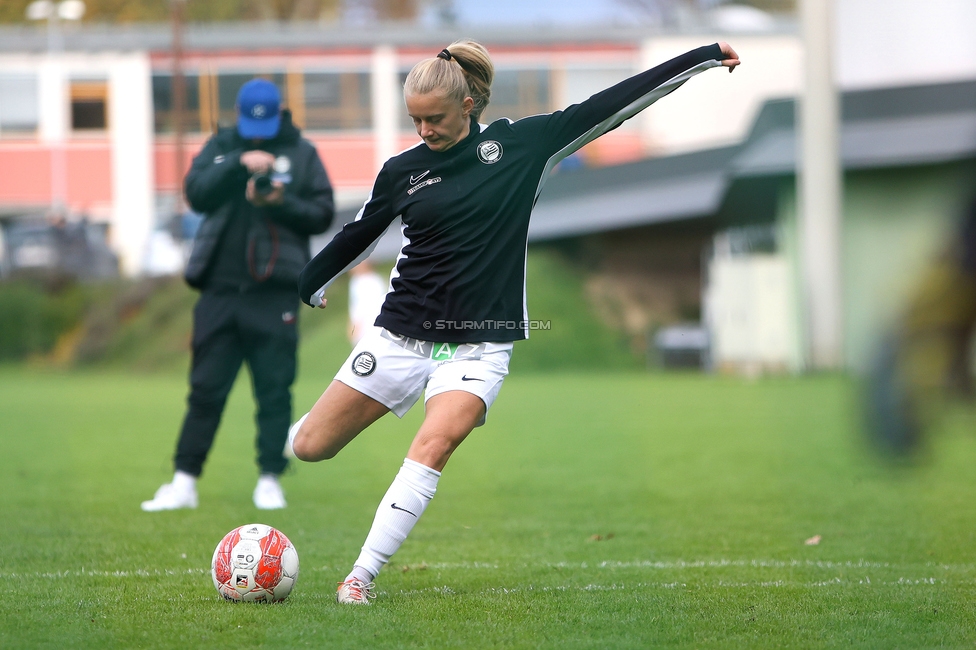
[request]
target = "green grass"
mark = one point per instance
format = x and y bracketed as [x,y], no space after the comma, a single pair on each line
[592,511]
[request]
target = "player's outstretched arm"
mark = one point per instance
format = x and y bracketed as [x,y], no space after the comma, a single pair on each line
[563,132]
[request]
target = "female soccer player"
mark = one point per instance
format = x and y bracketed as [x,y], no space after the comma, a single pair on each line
[457,293]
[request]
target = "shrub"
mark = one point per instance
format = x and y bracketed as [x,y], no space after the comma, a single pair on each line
[32,318]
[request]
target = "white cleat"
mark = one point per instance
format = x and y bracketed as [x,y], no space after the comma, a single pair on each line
[268,494]
[355,592]
[171,497]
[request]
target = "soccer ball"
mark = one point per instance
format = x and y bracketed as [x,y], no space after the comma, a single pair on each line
[254,563]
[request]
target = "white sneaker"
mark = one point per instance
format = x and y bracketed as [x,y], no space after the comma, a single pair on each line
[355,592]
[268,494]
[171,497]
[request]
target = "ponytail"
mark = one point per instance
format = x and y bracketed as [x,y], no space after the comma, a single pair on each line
[463,69]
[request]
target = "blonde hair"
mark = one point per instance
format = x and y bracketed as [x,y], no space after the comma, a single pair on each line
[462,69]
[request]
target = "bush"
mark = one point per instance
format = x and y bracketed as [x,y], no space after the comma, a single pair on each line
[33,318]
[572,334]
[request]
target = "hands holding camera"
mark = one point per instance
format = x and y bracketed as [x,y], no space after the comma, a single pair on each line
[261,190]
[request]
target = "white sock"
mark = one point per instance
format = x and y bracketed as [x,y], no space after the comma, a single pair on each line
[361,574]
[184,482]
[401,507]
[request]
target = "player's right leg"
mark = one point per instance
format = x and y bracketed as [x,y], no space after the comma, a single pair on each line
[339,415]
[380,375]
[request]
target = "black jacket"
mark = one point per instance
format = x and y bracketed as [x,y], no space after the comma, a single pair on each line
[274,238]
[460,276]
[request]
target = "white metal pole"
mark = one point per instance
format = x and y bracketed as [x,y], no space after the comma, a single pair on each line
[59,166]
[387,103]
[819,190]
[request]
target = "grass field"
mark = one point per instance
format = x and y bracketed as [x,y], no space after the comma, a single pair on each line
[592,511]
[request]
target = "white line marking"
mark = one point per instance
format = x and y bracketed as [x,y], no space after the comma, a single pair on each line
[635,565]
[836,582]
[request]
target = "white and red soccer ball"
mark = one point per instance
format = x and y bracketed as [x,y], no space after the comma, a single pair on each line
[254,563]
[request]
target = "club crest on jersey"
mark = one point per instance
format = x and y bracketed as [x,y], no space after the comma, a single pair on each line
[364,364]
[490,152]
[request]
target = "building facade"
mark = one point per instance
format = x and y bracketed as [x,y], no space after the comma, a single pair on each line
[89,130]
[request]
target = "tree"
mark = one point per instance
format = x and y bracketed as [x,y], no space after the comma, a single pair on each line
[131,11]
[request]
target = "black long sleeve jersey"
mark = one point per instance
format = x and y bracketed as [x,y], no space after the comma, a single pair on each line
[460,274]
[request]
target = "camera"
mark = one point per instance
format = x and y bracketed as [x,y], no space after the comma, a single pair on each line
[278,173]
[262,183]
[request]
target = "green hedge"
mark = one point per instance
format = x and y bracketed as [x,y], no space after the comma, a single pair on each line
[145,324]
[32,317]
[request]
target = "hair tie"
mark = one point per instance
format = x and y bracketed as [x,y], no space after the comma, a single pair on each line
[444,54]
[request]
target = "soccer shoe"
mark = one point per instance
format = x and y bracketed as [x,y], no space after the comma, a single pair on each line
[171,497]
[268,494]
[355,592]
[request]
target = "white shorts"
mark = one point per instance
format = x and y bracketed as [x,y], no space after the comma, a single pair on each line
[394,369]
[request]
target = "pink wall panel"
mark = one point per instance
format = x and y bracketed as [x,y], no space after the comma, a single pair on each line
[348,159]
[25,175]
[614,148]
[89,175]
[25,169]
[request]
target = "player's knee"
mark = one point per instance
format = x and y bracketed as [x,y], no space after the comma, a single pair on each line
[306,450]
[433,450]
[309,449]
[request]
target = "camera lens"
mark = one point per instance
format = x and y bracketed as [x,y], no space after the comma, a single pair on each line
[262,183]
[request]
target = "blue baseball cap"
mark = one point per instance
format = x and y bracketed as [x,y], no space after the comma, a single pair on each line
[258,109]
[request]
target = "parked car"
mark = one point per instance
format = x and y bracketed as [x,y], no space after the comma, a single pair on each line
[77,248]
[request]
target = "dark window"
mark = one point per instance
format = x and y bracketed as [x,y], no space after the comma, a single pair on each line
[89,105]
[163,115]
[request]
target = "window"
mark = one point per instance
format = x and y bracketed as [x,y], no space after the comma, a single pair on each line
[517,94]
[318,100]
[164,115]
[335,100]
[89,105]
[18,104]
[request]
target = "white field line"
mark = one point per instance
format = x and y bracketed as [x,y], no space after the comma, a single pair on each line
[836,582]
[637,565]
[94,573]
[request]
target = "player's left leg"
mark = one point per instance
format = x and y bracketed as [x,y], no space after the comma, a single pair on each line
[459,396]
[450,418]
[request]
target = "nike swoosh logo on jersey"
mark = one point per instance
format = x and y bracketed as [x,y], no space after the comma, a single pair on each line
[416,179]
[396,507]
[466,378]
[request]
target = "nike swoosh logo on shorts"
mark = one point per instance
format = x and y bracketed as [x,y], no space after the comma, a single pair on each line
[466,378]
[396,507]
[416,179]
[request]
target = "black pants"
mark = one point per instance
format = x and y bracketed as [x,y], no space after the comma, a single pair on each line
[228,329]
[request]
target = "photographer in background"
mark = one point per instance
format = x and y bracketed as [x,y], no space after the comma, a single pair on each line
[263,191]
